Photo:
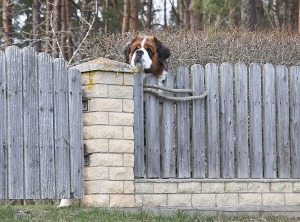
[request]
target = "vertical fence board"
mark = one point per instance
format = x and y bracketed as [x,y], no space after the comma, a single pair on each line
[213,128]
[3,145]
[198,123]
[139,163]
[152,133]
[15,122]
[227,131]
[295,119]
[30,104]
[76,127]
[183,127]
[46,128]
[283,132]
[256,167]
[269,122]
[241,115]
[168,136]
[61,123]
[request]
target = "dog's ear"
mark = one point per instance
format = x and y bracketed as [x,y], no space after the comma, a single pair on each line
[127,49]
[162,50]
[127,52]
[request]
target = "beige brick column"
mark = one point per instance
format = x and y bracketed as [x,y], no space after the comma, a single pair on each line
[108,133]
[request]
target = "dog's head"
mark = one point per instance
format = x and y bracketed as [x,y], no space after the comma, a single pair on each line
[147,53]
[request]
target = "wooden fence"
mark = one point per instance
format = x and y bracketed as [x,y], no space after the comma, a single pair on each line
[248,125]
[41,152]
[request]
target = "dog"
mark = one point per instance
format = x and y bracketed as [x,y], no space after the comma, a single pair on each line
[148,54]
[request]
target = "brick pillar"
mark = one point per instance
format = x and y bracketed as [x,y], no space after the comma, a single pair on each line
[108,133]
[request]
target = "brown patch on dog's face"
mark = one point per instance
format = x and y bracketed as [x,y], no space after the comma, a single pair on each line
[147,53]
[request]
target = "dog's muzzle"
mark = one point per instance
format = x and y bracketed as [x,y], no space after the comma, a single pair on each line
[138,61]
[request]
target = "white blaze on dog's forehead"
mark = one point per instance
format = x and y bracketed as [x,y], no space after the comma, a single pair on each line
[144,41]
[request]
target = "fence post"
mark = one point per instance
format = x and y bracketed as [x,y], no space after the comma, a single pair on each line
[138,96]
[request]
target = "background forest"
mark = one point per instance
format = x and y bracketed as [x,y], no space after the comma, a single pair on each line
[208,30]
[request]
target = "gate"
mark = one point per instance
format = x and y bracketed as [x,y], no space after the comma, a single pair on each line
[41,150]
[246,127]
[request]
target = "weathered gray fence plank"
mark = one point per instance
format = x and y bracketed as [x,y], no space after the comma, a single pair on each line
[3,145]
[295,119]
[269,123]
[138,96]
[152,133]
[227,131]
[30,104]
[198,123]
[15,123]
[256,167]
[76,127]
[46,128]
[283,118]
[241,115]
[183,127]
[213,128]
[61,123]
[168,134]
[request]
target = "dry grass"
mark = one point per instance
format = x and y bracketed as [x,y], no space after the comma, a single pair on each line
[212,45]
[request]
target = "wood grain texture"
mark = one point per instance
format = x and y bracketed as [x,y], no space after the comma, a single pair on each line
[168,132]
[61,126]
[283,122]
[15,123]
[198,123]
[30,104]
[241,116]
[269,123]
[227,130]
[295,120]
[255,107]
[153,133]
[213,123]
[138,128]
[183,127]
[3,125]
[76,134]
[46,128]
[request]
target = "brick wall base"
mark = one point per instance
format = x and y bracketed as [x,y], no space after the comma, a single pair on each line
[215,195]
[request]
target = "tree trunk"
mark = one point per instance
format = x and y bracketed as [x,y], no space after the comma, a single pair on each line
[134,16]
[259,12]
[248,14]
[7,22]
[35,25]
[149,14]
[106,21]
[69,32]
[56,28]
[276,9]
[165,14]
[63,38]
[186,14]
[48,26]
[126,18]
[195,17]
[299,17]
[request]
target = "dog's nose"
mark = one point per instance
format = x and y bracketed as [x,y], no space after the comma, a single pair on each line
[139,52]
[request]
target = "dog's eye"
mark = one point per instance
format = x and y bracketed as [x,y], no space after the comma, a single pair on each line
[150,53]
